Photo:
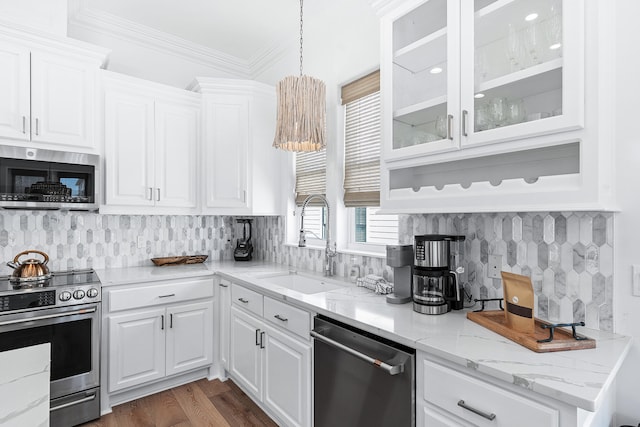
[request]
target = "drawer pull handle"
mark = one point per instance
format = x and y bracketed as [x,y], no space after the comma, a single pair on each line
[257,336]
[490,417]
[222,285]
[282,319]
[244,301]
[162,322]
[167,296]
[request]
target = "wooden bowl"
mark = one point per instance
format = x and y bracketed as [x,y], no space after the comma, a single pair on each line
[176,260]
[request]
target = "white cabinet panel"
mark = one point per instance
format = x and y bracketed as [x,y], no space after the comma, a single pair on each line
[224,322]
[136,348]
[227,129]
[245,356]
[176,153]
[14,92]
[189,336]
[287,377]
[62,101]
[129,141]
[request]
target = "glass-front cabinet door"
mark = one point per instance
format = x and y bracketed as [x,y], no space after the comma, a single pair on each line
[421,79]
[522,67]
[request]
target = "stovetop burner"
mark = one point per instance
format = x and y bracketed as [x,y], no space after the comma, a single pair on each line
[58,278]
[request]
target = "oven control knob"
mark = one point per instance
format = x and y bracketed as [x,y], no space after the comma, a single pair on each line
[79,294]
[92,293]
[65,296]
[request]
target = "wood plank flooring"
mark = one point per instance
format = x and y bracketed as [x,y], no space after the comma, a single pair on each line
[198,404]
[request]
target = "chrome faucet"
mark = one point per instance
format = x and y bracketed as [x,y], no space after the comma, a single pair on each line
[329,253]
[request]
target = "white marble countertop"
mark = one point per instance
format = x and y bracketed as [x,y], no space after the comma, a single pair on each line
[580,378]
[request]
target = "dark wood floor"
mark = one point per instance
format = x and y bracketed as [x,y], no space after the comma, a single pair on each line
[198,404]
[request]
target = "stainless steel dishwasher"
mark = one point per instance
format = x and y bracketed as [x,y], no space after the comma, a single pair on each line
[361,379]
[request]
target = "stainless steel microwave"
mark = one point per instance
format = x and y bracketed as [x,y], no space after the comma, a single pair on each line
[33,178]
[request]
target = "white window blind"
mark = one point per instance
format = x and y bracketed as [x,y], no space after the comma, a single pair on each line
[311,175]
[362,151]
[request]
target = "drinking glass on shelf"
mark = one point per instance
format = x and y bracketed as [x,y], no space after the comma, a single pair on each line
[533,42]
[553,28]
[514,48]
[441,126]
[481,66]
[515,111]
[482,117]
[498,111]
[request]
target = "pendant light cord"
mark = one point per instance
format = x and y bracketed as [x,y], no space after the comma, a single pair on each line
[300,37]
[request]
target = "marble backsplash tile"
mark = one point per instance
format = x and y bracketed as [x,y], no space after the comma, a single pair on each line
[76,240]
[568,255]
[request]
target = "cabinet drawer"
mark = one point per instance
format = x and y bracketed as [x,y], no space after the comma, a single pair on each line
[247,299]
[290,318]
[145,296]
[449,389]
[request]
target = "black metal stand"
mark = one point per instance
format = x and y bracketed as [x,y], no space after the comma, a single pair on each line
[560,325]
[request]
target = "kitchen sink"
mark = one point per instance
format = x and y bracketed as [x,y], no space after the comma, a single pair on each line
[300,282]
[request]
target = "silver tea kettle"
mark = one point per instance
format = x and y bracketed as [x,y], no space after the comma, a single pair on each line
[30,270]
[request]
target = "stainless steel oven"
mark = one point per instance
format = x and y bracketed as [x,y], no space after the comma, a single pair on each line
[66,314]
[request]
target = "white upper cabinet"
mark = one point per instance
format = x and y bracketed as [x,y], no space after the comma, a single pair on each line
[14,92]
[241,169]
[496,100]
[151,143]
[47,91]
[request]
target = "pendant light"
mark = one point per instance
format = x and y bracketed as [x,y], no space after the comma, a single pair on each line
[301,118]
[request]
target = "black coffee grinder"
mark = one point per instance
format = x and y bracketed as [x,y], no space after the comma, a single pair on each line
[244,248]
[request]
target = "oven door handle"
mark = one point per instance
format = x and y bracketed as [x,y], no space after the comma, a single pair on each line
[48,316]
[75,402]
[391,369]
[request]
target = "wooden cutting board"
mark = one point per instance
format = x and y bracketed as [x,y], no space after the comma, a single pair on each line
[562,338]
[176,260]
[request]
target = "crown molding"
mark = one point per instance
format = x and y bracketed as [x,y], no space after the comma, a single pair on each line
[382,7]
[267,58]
[83,17]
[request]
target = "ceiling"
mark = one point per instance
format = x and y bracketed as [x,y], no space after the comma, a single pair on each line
[242,28]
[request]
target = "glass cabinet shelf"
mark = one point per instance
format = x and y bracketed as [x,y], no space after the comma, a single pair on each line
[423,54]
[422,112]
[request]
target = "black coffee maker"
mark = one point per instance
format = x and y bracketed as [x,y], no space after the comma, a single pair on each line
[436,289]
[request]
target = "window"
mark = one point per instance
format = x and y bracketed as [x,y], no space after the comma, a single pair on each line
[362,165]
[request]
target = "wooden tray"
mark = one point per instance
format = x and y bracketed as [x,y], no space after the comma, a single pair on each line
[175,260]
[562,338]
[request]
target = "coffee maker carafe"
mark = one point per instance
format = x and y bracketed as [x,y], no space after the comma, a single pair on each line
[436,289]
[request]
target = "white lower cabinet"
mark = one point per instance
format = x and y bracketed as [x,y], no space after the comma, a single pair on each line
[271,363]
[224,313]
[452,396]
[156,331]
[137,346]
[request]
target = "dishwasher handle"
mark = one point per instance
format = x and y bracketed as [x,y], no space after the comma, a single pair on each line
[391,369]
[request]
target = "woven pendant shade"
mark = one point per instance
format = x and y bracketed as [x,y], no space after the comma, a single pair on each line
[301,118]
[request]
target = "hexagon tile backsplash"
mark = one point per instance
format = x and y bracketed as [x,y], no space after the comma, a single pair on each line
[568,255]
[87,240]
